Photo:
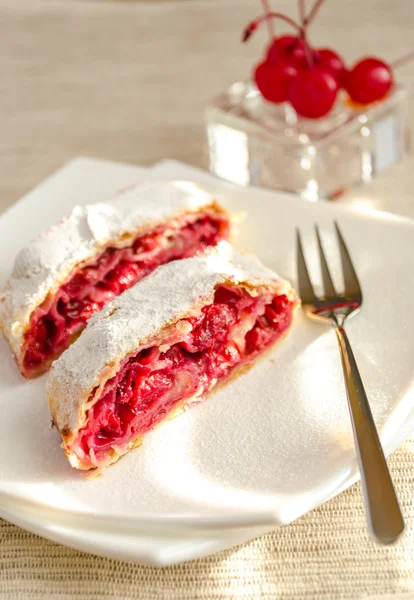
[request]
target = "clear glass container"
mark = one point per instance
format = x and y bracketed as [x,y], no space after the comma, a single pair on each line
[254,142]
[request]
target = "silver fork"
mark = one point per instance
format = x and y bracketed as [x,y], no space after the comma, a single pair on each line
[383,513]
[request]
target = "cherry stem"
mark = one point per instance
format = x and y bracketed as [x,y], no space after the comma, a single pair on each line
[270,24]
[253,25]
[399,62]
[302,12]
[308,52]
[314,10]
[302,17]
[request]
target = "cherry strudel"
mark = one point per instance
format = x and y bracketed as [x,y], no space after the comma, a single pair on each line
[162,345]
[76,267]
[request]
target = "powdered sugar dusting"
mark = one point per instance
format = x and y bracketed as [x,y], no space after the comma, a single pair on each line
[47,261]
[170,293]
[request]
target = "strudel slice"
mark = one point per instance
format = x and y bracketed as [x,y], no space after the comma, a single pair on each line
[162,345]
[73,269]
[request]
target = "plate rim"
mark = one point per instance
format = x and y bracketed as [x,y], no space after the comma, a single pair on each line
[225,520]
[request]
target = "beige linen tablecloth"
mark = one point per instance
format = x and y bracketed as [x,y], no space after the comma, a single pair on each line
[128,81]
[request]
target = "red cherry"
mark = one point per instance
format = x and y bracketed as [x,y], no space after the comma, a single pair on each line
[313,92]
[299,55]
[281,47]
[369,80]
[273,80]
[328,60]
[289,48]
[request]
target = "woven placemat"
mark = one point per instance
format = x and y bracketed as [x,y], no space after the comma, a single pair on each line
[324,555]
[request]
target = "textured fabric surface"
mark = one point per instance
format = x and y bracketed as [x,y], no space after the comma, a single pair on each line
[325,554]
[128,81]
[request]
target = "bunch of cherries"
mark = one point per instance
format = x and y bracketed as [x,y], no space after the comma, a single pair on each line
[310,78]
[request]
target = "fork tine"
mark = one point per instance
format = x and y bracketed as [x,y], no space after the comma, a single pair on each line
[352,285]
[328,284]
[304,283]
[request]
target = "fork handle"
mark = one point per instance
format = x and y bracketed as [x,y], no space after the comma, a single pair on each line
[385,521]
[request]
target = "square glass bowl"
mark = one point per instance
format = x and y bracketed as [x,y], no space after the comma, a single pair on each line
[254,142]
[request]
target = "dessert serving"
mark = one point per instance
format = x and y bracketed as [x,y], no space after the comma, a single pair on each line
[72,270]
[162,345]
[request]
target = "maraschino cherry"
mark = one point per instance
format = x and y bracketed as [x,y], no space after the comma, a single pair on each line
[310,78]
[273,79]
[330,61]
[281,47]
[369,80]
[289,48]
[293,72]
[313,92]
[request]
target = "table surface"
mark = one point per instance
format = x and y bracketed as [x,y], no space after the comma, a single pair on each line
[128,81]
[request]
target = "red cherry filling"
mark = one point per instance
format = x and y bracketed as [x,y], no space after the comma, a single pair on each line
[231,331]
[59,319]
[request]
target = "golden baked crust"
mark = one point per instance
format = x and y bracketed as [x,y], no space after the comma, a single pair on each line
[49,260]
[150,313]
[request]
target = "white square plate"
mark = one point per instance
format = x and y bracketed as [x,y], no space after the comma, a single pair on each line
[277,441]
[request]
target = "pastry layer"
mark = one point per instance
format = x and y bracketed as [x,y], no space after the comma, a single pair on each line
[161,345]
[76,267]
[60,319]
